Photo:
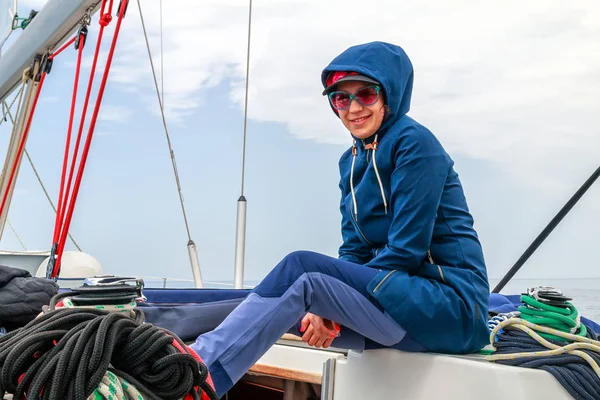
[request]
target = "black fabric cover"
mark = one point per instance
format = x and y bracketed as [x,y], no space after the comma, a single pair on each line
[22,296]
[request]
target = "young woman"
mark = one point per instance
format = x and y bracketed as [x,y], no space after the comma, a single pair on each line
[410,273]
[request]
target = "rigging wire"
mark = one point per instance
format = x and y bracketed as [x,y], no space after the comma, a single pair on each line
[23,127]
[39,178]
[162,66]
[162,112]
[6,111]
[12,228]
[15,132]
[6,108]
[240,241]
[47,195]
[246,95]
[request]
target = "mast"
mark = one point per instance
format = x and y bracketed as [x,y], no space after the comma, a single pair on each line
[56,21]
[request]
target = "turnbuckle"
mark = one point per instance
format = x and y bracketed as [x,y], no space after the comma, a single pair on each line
[51,263]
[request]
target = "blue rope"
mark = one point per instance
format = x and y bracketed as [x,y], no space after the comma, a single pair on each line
[497,319]
[572,372]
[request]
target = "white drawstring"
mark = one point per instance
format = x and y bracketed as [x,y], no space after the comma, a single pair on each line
[375,144]
[352,179]
[354,154]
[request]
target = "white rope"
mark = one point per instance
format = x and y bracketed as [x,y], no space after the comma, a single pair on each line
[352,180]
[187,227]
[579,343]
[375,145]
[26,253]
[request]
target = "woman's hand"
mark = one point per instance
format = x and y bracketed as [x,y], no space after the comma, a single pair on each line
[318,332]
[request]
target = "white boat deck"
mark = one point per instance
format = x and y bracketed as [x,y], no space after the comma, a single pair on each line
[392,374]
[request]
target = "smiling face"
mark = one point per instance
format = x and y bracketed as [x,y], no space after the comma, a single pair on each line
[361,121]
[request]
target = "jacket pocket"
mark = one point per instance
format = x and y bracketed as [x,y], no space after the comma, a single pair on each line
[383,280]
[432,311]
[384,288]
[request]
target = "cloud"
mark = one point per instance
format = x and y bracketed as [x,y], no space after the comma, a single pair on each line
[508,82]
[113,113]
[512,83]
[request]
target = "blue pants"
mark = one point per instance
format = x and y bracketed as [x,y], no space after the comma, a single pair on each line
[303,281]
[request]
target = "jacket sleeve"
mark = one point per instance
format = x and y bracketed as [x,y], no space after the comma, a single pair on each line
[420,169]
[352,248]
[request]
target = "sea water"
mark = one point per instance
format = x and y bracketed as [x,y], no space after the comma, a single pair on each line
[584,292]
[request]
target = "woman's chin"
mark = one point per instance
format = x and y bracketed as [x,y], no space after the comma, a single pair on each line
[363,133]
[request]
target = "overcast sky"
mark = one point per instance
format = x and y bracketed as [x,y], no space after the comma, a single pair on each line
[510,88]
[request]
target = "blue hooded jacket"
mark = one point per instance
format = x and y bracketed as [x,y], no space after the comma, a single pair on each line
[406,215]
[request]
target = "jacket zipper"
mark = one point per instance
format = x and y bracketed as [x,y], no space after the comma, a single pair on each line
[358,228]
[366,151]
[383,280]
[441,273]
[352,216]
[437,265]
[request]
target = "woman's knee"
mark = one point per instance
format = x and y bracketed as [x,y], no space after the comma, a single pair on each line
[301,261]
[285,273]
[289,270]
[295,264]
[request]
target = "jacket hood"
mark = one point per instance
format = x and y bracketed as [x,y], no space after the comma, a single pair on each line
[389,65]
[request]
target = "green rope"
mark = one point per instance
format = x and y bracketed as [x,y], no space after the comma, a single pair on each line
[114,388]
[563,319]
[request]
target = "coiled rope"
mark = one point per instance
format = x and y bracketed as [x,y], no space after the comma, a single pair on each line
[81,353]
[551,338]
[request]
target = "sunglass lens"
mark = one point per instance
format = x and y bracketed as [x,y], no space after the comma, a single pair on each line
[340,100]
[367,96]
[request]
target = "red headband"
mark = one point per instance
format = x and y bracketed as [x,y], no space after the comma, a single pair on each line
[336,76]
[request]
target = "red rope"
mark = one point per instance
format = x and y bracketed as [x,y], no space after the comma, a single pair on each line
[105,18]
[209,381]
[68,215]
[59,208]
[30,118]
[64,46]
